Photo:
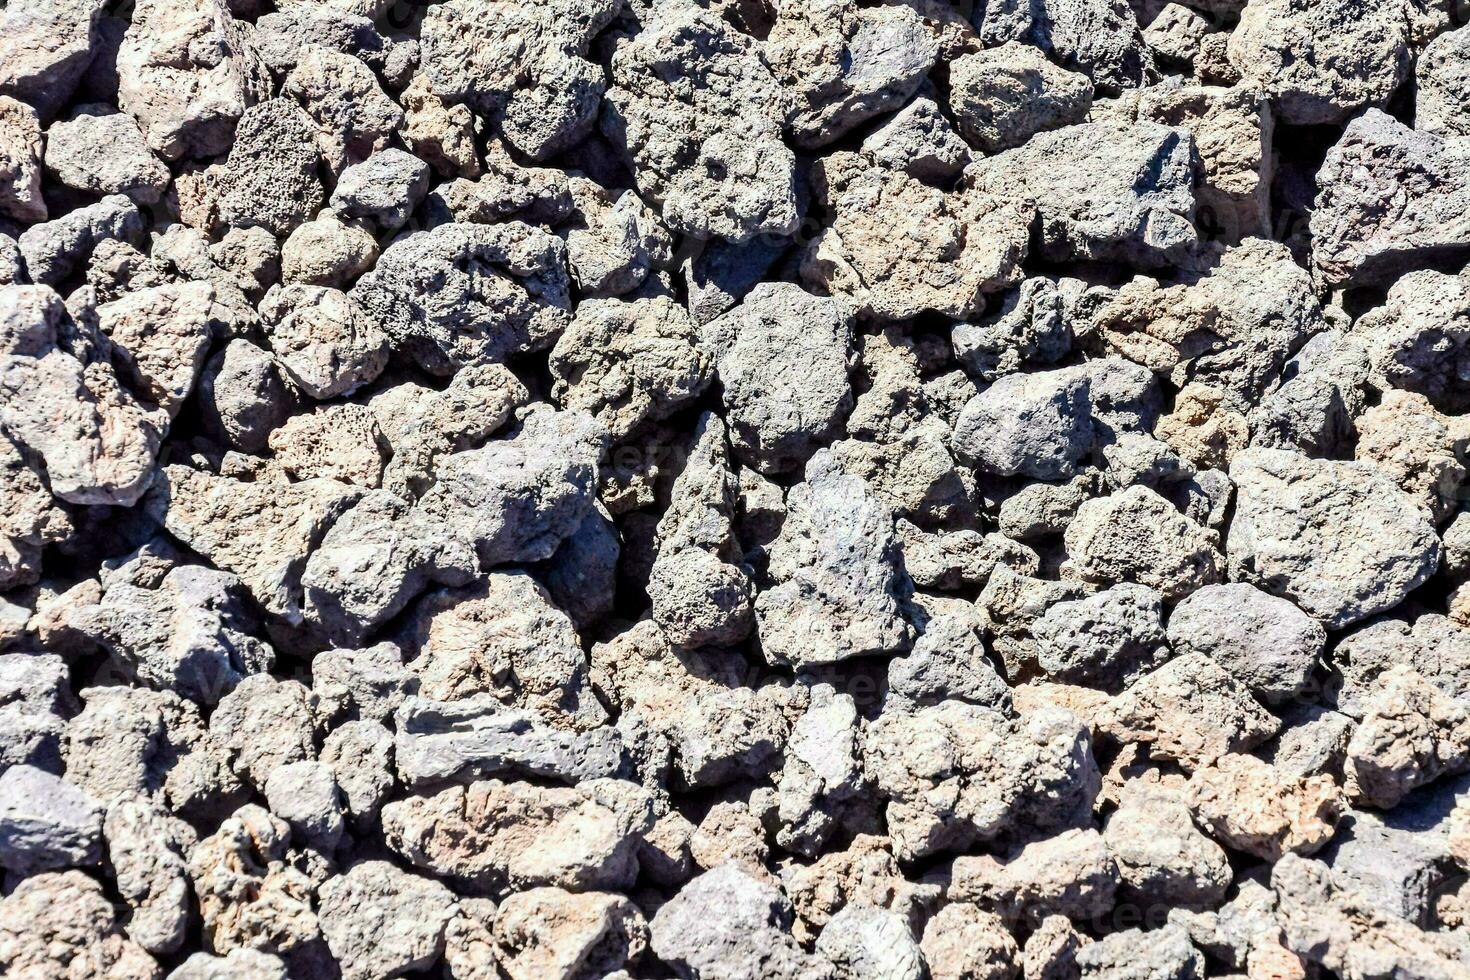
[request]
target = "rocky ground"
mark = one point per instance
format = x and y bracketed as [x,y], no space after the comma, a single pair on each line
[770,489]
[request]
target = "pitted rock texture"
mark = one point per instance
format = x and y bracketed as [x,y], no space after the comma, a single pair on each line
[722,489]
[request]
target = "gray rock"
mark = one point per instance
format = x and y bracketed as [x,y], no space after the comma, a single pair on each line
[1100,38]
[491,836]
[1431,644]
[629,364]
[1104,641]
[187,73]
[270,178]
[190,631]
[238,964]
[1092,206]
[378,921]
[947,663]
[306,796]
[46,49]
[842,64]
[1321,64]
[375,559]
[146,847]
[1338,539]
[360,754]
[1160,954]
[728,923]
[919,140]
[265,724]
[1037,425]
[103,152]
[782,357]
[1001,97]
[839,587]
[1354,240]
[736,185]
[467,294]
[1442,85]
[523,71]
[55,249]
[954,774]
[721,273]
[384,189]
[243,397]
[478,736]
[517,499]
[1032,326]
[866,941]
[1266,642]
[1189,710]
[1162,857]
[46,822]
[1136,535]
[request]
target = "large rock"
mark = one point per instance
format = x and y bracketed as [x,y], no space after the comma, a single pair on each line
[520,66]
[466,294]
[45,48]
[728,923]
[46,822]
[1003,96]
[94,438]
[1100,38]
[1338,539]
[782,357]
[378,921]
[839,587]
[897,247]
[1356,239]
[699,115]
[1322,62]
[1085,180]
[187,72]
[843,63]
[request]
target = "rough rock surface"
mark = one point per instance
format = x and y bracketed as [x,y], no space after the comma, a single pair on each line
[718,489]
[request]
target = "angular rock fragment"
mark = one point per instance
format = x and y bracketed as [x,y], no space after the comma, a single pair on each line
[897,247]
[1190,710]
[1138,536]
[1264,641]
[728,923]
[46,823]
[1091,203]
[839,588]
[467,294]
[782,357]
[58,920]
[378,921]
[187,73]
[21,151]
[551,933]
[519,66]
[1323,62]
[1356,239]
[103,152]
[843,64]
[1338,539]
[490,835]
[1003,96]
[956,773]
[704,139]
[478,736]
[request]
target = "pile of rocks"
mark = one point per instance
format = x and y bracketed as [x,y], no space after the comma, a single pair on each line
[772,489]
